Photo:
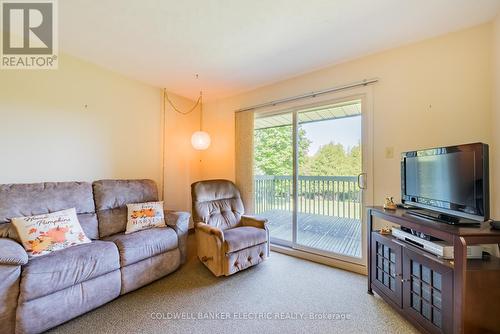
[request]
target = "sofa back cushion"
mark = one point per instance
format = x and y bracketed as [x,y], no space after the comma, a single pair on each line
[112,197]
[18,200]
[217,203]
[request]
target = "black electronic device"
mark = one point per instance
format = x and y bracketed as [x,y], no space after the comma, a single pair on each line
[450,183]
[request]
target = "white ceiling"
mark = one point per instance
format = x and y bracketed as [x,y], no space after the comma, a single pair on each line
[238,45]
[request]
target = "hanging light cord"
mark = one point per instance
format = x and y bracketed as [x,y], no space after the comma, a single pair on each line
[198,102]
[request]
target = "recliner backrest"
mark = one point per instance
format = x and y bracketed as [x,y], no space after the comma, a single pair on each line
[217,203]
[111,199]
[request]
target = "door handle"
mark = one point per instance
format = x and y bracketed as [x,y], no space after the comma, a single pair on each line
[361,181]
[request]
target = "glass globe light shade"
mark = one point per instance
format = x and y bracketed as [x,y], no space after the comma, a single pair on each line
[200,140]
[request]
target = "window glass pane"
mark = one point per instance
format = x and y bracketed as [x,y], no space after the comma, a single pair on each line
[415,286]
[379,275]
[426,292]
[415,302]
[273,170]
[386,266]
[393,256]
[436,280]
[426,310]
[386,252]
[323,205]
[415,268]
[426,274]
[329,161]
[436,299]
[386,279]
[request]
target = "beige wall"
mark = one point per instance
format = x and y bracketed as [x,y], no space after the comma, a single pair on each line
[182,162]
[47,133]
[436,92]
[496,120]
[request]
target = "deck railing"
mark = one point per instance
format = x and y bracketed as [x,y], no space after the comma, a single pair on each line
[337,196]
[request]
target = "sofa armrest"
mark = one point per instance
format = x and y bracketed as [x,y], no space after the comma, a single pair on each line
[179,221]
[12,253]
[254,221]
[216,232]
[12,257]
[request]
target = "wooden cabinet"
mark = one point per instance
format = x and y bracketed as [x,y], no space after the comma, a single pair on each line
[386,267]
[436,295]
[421,287]
[427,292]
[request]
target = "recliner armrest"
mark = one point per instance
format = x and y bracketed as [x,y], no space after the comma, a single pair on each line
[254,221]
[202,227]
[179,221]
[12,253]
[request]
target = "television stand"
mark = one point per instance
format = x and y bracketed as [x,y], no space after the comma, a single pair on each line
[442,218]
[436,295]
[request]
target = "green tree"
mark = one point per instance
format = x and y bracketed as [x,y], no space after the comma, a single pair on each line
[274,150]
[334,160]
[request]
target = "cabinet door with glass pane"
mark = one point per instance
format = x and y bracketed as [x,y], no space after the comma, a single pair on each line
[386,266]
[427,292]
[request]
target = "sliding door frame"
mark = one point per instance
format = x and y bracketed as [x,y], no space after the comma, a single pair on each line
[364,94]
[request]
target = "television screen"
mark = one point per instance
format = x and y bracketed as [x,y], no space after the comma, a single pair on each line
[452,180]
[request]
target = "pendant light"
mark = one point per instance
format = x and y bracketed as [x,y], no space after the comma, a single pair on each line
[200,140]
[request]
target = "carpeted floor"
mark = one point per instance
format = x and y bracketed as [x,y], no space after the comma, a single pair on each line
[284,294]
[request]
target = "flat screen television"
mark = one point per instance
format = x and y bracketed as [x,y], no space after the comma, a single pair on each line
[451,181]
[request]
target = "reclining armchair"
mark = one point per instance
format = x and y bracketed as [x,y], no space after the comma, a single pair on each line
[227,240]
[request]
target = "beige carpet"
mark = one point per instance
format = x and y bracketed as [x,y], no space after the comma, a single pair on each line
[282,292]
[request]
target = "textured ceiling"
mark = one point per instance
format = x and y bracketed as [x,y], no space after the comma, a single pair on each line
[238,45]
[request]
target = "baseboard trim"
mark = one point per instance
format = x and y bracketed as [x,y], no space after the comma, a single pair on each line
[353,267]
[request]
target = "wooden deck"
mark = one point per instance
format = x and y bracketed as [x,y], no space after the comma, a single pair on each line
[327,233]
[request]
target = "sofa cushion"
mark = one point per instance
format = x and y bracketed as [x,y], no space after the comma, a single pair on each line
[50,232]
[144,244]
[112,197]
[239,238]
[20,200]
[59,270]
[142,216]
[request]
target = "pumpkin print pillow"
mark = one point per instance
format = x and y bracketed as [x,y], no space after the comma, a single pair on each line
[47,233]
[142,216]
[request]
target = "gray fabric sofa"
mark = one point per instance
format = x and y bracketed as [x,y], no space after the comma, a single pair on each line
[40,293]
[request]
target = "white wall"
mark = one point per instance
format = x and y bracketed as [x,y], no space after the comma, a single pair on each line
[182,161]
[450,73]
[47,133]
[495,171]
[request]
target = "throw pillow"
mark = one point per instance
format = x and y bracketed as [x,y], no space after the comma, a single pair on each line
[142,216]
[50,232]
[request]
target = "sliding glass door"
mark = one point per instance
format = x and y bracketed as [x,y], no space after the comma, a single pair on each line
[328,195]
[273,155]
[308,178]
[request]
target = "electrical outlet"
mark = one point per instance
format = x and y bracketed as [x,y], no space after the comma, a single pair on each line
[389,152]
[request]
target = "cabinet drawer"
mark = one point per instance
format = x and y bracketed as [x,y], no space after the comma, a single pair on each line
[386,267]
